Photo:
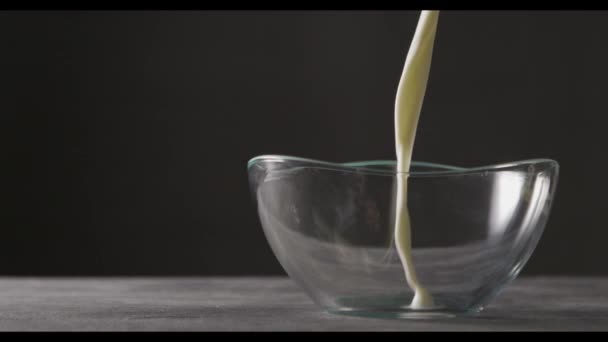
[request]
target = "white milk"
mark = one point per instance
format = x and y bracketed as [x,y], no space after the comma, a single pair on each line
[410,95]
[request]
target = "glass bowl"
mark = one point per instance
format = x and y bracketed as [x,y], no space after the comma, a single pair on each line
[331,227]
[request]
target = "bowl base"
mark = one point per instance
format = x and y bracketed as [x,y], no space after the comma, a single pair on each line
[403,314]
[396,307]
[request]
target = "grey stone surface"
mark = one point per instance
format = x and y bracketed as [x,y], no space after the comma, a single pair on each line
[271,304]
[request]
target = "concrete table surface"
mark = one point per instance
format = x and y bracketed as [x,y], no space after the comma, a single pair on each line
[272,304]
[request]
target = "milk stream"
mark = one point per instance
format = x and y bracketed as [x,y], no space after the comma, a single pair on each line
[410,95]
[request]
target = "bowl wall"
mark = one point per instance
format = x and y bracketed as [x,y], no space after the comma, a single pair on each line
[331,227]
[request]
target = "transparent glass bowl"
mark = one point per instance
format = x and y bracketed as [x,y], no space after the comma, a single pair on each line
[331,227]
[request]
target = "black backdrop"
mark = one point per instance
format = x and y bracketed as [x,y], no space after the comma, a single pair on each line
[124,136]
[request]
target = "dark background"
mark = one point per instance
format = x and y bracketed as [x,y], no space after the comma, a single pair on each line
[124,136]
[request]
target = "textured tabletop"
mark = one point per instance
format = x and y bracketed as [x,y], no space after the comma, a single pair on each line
[272,304]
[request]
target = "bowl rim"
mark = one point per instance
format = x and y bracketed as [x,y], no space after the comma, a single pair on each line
[371,166]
